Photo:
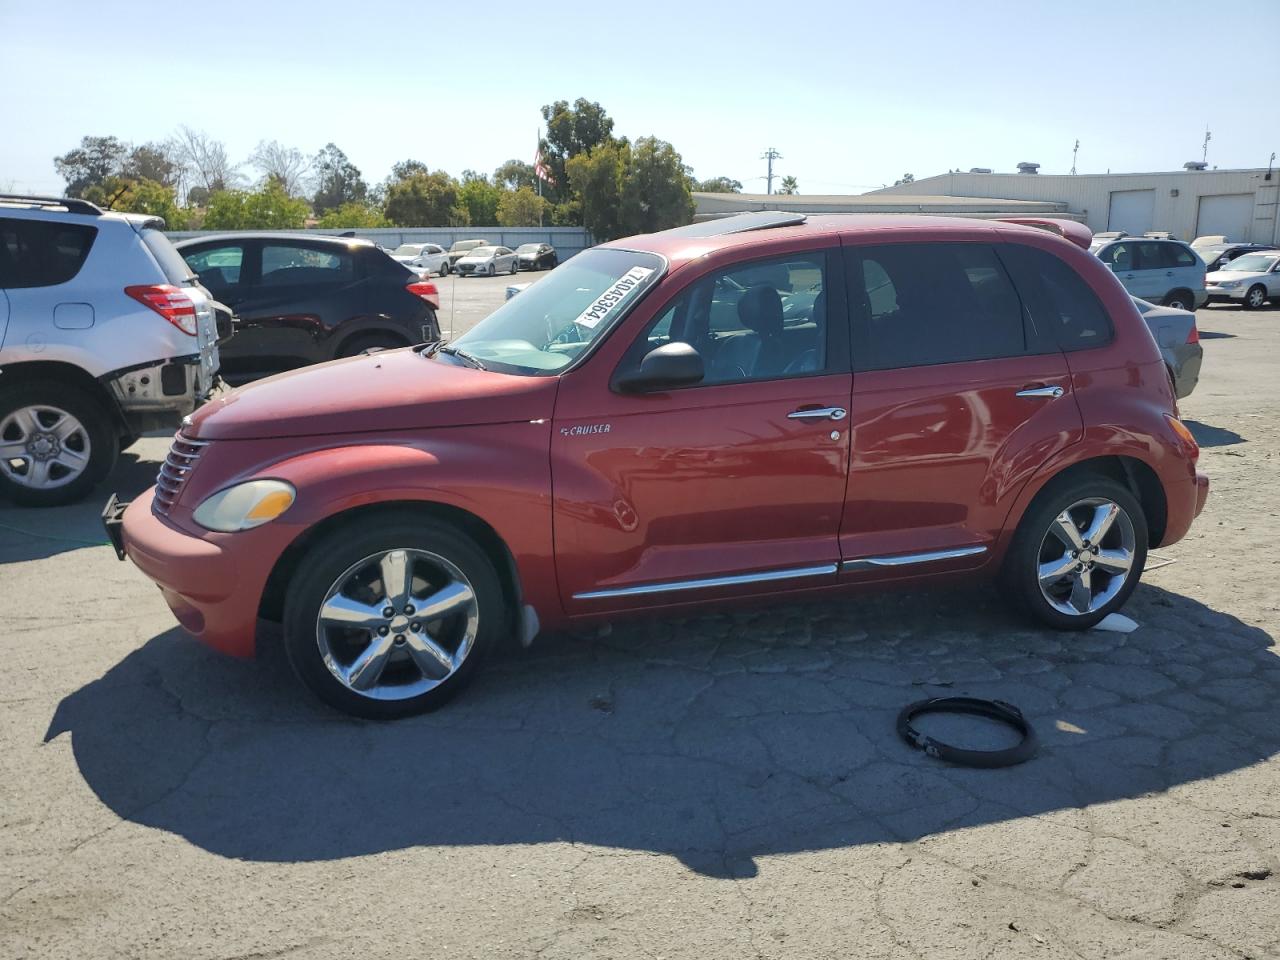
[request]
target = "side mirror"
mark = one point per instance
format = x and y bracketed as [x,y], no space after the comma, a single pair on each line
[663,368]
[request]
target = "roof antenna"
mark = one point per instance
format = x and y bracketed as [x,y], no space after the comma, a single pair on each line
[1074,151]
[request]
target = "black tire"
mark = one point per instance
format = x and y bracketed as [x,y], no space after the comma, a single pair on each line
[515,267]
[364,341]
[1255,297]
[493,269]
[1181,300]
[444,269]
[1020,576]
[99,429]
[332,555]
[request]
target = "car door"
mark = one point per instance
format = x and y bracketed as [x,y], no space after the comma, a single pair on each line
[733,485]
[300,294]
[1273,279]
[1183,269]
[955,401]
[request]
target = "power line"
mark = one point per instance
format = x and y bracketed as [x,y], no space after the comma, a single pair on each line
[771,155]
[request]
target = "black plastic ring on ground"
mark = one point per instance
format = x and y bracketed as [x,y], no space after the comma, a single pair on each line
[1005,713]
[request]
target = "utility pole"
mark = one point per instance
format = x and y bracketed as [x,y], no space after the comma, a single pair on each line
[1074,151]
[771,155]
[1204,156]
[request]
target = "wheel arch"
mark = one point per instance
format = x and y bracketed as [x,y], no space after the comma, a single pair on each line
[373,330]
[271,604]
[58,371]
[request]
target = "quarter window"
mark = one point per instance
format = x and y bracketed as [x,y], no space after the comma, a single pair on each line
[929,303]
[42,253]
[765,320]
[1062,306]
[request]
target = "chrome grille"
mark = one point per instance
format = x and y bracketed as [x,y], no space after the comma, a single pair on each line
[174,471]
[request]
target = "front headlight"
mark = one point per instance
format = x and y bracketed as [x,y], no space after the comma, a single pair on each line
[1228,283]
[244,506]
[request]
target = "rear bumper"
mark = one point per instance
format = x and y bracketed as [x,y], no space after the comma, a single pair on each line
[212,583]
[1186,500]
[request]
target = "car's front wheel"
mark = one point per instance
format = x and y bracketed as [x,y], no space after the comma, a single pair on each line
[1255,297]
[391,617]
[56,442]
[1078,552]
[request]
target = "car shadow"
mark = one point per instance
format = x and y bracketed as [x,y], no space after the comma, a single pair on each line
[30,533]
[1215,335]
[1209,436]
[714,740]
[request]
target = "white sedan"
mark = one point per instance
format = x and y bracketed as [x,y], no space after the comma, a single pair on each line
[426,258]
[487,261]
[1253,279]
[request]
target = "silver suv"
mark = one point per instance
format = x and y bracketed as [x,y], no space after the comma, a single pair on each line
[104,335]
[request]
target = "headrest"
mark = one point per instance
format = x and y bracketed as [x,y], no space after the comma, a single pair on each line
[760,309]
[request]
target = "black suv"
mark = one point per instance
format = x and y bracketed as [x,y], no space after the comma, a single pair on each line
[303,299]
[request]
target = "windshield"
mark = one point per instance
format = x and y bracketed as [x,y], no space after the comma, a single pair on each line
[1251,263]
[527,248]
[461,246]
[407,250]
[549,325]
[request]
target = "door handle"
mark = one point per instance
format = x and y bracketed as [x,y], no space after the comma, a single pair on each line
[1052,393]
[818,413]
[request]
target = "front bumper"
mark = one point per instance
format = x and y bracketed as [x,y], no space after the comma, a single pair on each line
[1219,294]
[212,583]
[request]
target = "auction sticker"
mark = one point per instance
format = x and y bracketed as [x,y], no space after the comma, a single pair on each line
[612,298]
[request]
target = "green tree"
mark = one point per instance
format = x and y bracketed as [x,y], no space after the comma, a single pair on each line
[352,214]
[407,168]
[91,163]
[157,162]
[596,178]
[719,185]
[139,196]
[425,200]
[521,208]
[788,186]
[515,174]
[338,180]
[571,130]
[267,208]
[480,198]
[655,189]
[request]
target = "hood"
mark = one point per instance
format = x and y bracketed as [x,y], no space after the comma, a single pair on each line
[472,258]
[385,391]
[1218,276]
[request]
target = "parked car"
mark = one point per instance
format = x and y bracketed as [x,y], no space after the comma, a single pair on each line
[425,258]
[1178,338]
[104,334]
[487,261]
[461,248]
[1167,272]
[537,256]
[304,299]
[643,430]
[1100,240]
[1253,279]
[1218,255]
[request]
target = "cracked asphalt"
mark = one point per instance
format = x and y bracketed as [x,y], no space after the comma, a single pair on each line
[723,786]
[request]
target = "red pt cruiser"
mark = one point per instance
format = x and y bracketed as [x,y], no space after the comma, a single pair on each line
[764,405]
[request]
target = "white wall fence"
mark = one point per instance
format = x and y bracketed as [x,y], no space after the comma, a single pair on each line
[566,240]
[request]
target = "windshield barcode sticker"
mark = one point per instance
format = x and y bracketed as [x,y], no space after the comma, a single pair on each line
[608,301]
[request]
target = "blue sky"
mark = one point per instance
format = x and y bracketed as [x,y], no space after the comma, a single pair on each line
[853,94]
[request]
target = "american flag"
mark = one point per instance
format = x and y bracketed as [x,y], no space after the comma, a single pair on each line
[540,169]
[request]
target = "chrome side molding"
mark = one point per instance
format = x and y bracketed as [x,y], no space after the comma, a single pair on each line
[907,559]
[672,586]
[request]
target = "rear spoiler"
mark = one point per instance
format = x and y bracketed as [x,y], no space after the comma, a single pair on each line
[1077,233]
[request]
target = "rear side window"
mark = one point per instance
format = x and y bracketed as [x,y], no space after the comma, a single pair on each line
[217,267]
[930,303]
[1179,256]
[286,264]
[1062,306]
[42,253]
[172,265]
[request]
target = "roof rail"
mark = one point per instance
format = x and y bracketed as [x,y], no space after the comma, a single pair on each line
[738,223]
[71,204]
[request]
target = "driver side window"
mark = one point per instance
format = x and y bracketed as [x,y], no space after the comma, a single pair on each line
[764,320]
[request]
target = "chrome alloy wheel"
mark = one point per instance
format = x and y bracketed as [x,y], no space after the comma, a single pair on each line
[397,624]
[43,447]
[1086,556]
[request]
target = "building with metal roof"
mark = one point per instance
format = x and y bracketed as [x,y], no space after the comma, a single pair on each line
[714,205]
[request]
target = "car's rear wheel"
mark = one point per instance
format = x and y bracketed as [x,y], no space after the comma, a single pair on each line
[391,617]
[1180,300]
[1255,297]
[56,442]
[1078,553]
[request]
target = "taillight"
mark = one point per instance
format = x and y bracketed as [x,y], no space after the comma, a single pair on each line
[427,291]
[1184,434]
[1194,335]
[168,301]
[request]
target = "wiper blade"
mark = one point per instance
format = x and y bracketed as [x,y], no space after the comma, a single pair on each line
[463,356]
